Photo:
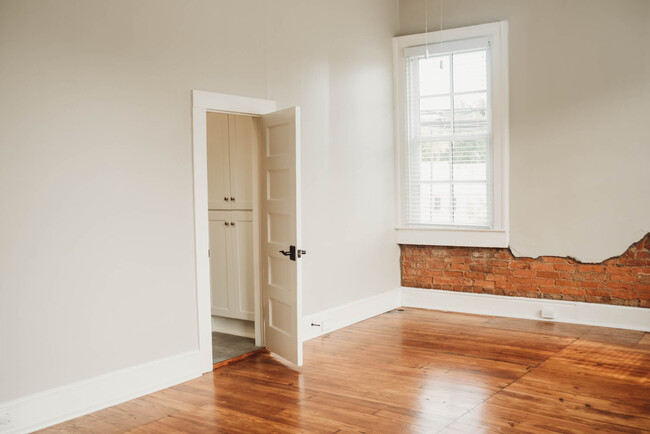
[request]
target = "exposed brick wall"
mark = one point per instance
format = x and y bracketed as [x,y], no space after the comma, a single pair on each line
[624,280]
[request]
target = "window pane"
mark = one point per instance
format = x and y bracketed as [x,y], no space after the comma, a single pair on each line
[470,121]
[476,100]
[470,160]
[435,161]
[470,71]
[433,205]
[449,203]
[449,141]
[435,116]
[470,204]
[433,79]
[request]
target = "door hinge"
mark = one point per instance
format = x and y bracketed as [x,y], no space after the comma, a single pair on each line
[293,253]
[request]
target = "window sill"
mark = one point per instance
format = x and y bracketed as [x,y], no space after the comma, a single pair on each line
[452,237]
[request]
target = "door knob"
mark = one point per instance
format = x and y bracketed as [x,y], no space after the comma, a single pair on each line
[293,253]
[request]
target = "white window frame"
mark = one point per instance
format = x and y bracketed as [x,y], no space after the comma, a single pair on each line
[498,234]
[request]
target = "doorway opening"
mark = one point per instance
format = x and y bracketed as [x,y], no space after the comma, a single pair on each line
[246,163]
[231,143]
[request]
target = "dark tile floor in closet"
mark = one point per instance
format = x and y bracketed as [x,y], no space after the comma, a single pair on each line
[226,347]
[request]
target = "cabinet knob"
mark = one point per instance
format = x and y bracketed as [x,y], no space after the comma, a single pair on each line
[232,199]
[226,223]
[232,223]
[226,199]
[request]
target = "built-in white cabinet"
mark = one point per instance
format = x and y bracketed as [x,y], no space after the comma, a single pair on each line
[231,264]
[231,140]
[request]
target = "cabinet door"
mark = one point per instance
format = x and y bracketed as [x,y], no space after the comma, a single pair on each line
[243,131]
[218,161]
[242,259]
[222,302]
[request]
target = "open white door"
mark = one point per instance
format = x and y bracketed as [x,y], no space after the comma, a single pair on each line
[281,229]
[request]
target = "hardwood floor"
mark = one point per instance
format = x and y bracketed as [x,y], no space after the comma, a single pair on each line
[414,370]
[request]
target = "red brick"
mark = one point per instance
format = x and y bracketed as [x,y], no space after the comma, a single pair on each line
[443,281]
[624,280]
[484,283]
[619,285]
[496,277]
[550,289]
[573,291]
[541,266]
[623,277]
[459,267]
[480,268]
[598,292]
[568,283]
[524,273]
[588,268]
[627,295]
[548,274]
[590,284]
[545,282]
[497,263]
[457,260]
[553,259]
[473,275]
[564,267]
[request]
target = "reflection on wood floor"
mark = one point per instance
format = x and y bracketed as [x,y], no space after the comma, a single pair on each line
[414,370]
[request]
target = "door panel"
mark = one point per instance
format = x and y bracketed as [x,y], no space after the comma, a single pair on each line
[280,229]
[218,161]
[243,132]
[243,280]
[220,263]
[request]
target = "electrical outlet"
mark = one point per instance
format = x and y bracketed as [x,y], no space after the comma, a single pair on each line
[319,324]
[548,313]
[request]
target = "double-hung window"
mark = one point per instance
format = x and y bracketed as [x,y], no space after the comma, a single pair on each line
[451,89]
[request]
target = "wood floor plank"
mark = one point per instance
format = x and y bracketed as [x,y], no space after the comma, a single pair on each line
[413,371]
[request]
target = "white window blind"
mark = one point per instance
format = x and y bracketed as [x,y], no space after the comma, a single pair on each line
[448,181]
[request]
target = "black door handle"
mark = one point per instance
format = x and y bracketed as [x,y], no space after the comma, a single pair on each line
[293,252]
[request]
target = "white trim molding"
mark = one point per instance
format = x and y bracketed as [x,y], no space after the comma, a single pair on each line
[203,102]
[336,318]
[602,315]
[233,326]
[57,405]
[452,237]
[498,233]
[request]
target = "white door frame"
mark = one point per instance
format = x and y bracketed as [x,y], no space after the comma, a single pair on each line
[203,102]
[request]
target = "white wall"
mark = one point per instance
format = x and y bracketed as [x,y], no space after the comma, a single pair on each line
[96,240]
[579,118]
[339,70]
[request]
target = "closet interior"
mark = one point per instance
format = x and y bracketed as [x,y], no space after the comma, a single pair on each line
[231,141]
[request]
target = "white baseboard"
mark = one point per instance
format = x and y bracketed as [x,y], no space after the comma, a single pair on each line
[232,326]
[604,315]
[343,316]
[62,403]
